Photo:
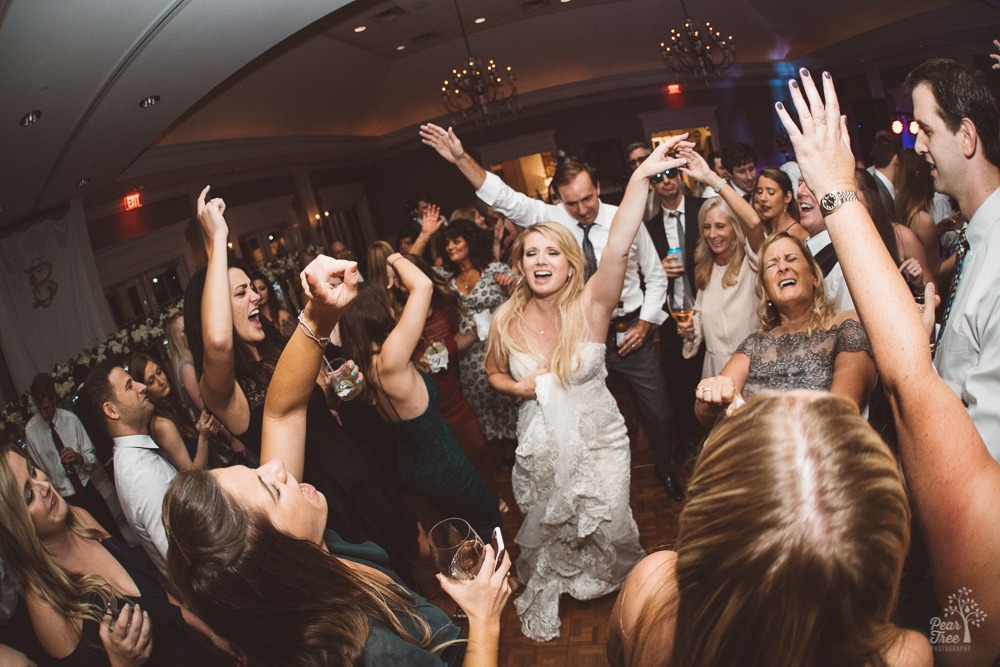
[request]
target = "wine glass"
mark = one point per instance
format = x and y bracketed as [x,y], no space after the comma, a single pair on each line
[347,384]
[457,550]
[680,303]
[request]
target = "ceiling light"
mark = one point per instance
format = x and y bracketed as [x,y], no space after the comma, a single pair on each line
[148,102]
[563,1]
[361,28]
[478,90]
[481,19]
[401,47]
[697,51]
[82,182]
[30,118]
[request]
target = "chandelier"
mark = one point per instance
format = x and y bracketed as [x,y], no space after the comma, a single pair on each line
[695,51]
[475,90]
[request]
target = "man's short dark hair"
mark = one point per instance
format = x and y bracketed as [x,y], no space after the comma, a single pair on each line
[712,157]
[636,145]
[737,155]
[961,93]
[886,146]
[569,170]
[97,391]
[43,387]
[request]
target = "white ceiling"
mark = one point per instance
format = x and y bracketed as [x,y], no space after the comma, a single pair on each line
[257,81]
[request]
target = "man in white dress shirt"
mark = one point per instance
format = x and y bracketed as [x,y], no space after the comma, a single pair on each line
[58,443]
[821,247]
[142,472]
[960,136]
[581,211]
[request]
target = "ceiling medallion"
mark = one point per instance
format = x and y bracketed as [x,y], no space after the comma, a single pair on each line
[697,52]
[476,90]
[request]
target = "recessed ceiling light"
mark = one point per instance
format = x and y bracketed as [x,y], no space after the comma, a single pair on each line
[82,182]
[361,28]
[481,19]
[30,118]
[148,102]
[564,1]
[401,47]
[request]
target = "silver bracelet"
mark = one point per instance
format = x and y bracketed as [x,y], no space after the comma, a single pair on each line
[718,186]
[322,342]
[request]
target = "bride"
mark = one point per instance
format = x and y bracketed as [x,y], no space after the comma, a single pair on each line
[571,475]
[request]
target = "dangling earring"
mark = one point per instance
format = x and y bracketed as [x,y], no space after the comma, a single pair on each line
[769,304]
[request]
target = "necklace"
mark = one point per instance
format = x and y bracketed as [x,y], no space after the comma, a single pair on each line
[465,285]
[545,327]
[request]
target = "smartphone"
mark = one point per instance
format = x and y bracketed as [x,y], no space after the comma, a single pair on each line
[498,548]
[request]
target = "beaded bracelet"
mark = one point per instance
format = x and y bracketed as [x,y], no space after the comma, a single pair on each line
[321,341]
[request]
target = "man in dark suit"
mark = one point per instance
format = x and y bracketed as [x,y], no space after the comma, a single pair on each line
[885,165]
[676,226]
[740,160]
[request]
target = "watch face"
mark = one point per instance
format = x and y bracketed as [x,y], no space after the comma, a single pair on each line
[828,202]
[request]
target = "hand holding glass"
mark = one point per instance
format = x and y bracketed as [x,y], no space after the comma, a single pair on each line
[346,382]
[456,548]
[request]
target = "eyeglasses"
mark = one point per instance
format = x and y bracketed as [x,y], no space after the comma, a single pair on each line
[658,178]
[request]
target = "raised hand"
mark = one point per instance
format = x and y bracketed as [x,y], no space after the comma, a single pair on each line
[996,56]
[443,141]
[210,215]
[330,285]
[822,146]
[659,161]
[207,424]
[912,272]
[697,167]
[432,220]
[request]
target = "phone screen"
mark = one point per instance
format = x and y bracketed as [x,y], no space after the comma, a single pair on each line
[498,547]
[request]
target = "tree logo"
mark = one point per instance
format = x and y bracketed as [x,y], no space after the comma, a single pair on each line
[953,635]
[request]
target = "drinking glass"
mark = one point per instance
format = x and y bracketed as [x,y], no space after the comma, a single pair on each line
[346,382]
[680,303]
[457,550]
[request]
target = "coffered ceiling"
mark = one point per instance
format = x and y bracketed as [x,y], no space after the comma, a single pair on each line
[255,82]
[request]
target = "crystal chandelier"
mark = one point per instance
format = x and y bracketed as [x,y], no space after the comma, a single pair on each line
[476,90]
[695,51]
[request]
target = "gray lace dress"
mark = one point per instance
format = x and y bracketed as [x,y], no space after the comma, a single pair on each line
[797,360]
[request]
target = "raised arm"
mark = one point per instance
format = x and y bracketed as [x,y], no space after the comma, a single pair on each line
[604,289]
[430,223]
[219,391]
[741,208]
[397,350]
[284,430]
[520,208]
[953,480]
[446,143]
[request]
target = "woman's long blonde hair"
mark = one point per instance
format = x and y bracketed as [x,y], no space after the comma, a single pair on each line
[73,595]
[791,543]
[508,329]
[823,310]
[378,271]
[704,258]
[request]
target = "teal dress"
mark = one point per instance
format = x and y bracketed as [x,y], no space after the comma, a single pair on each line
[433,465]
[384,647]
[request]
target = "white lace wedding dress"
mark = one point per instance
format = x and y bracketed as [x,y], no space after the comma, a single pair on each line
[571,482]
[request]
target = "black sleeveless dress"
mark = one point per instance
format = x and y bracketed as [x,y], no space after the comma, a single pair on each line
[363,505]
[173,644]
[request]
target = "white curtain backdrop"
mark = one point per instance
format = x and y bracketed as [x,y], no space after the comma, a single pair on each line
[48,311]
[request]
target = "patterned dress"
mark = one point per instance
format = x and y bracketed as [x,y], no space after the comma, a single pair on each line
[797,360]
[497,413]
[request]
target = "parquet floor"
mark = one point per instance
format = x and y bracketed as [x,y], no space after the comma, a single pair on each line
[584,624]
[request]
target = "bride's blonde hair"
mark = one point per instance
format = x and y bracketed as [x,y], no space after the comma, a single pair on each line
[508,330]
